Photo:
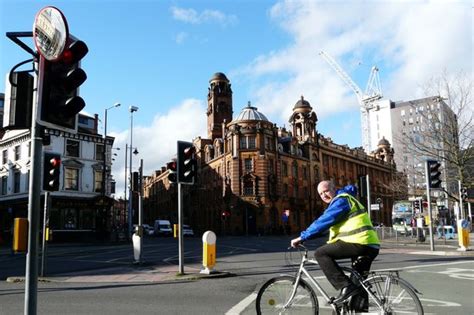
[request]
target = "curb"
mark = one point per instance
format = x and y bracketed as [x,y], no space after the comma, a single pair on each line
[175,277]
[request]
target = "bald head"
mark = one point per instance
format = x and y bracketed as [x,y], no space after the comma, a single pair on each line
[326,191]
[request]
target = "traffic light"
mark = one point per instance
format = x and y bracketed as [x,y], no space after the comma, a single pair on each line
[135,182]
[60,102]
[417,205]
[463,194]
[225,214]
[18,101]
[433,173]
[172,174]
[51,171]
[186,163]
[362,181]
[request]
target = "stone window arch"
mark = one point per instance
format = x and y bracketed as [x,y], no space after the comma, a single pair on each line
[249,185]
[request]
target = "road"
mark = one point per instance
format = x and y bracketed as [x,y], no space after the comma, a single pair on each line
[446,282]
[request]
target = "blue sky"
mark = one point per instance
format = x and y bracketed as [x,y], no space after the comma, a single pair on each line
[160,55]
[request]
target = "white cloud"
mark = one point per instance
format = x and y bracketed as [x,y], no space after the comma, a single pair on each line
[180,37]
[411,40]
[156,143]
[206,16]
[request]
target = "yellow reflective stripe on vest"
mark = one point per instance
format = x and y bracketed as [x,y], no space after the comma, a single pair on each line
[361,229]
[356,226]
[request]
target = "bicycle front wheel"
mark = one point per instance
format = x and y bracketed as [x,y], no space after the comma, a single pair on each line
[394,295]
[276,292]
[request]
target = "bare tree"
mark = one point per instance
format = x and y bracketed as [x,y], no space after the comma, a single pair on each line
[397,186]
[445,131]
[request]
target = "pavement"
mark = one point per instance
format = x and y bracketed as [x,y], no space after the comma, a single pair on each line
[134,273]
[146,273]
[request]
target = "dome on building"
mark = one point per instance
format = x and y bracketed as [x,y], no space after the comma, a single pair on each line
[250,113]
[219,76]
[302,104]
[384,142]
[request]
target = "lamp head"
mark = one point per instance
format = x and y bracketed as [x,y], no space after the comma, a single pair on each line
[135,151]
[133,109]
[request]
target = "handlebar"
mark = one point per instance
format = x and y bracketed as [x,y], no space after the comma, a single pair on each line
[299,246]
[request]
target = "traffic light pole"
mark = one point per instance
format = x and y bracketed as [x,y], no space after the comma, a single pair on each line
[140,212]
[31,272]
[461,208]
[428,197]
[368,196]
[180,229]
[45,232]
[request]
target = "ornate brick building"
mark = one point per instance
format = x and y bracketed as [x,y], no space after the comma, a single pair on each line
[255,177]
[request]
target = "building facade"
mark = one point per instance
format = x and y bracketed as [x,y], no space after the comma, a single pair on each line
[425,121]
[428,121]
[81,208]
[257,178]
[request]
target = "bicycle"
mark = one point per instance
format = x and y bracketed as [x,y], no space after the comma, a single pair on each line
[388,293]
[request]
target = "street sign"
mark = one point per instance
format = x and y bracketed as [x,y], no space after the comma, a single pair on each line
[375,206]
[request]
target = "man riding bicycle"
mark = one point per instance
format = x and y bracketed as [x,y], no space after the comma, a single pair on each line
[351,236]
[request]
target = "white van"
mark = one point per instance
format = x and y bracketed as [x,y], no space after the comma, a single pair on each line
[163,227]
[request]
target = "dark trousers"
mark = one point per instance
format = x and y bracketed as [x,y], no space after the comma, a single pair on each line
[327,254]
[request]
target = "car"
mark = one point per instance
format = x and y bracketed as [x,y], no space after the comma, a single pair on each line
[148,230]
[163,228]
[187,230]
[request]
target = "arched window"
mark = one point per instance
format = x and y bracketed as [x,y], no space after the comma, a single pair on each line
[248,186]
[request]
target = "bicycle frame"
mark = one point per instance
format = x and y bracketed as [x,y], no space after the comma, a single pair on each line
[302,270]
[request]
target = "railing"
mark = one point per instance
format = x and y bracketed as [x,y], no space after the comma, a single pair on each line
[444,236]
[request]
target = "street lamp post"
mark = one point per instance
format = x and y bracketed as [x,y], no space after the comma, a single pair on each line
[104,166]
[130,193]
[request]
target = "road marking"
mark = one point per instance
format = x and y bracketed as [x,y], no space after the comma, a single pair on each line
[429,265]
[438,303]
[458,273]
[242,305]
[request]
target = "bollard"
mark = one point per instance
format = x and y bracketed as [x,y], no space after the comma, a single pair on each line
[175,230]
[20,235]
[208,252]
[463,235]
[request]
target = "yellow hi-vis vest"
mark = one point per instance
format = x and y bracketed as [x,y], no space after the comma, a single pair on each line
[356,228]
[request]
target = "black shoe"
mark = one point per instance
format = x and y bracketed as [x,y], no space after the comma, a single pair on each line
[346,293]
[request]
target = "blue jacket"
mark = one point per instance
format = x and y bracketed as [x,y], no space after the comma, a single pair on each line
[335,213]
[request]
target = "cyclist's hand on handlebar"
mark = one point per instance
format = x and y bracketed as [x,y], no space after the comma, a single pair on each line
[295,242]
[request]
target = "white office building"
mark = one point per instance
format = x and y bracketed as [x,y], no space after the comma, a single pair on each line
[398,122]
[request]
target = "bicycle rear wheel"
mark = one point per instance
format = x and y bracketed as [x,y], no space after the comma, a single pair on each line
[396,296]
[275,293]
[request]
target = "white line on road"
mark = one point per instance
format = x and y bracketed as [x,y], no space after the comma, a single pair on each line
[242,305]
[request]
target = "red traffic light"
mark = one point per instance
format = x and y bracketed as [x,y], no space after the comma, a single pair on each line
[172,171]
[171,165]
[75,52]
[51,171]
[55,162]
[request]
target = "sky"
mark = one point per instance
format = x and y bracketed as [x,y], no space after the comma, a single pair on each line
[160,55]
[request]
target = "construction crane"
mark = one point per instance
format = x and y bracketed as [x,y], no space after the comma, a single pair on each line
[367,99]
